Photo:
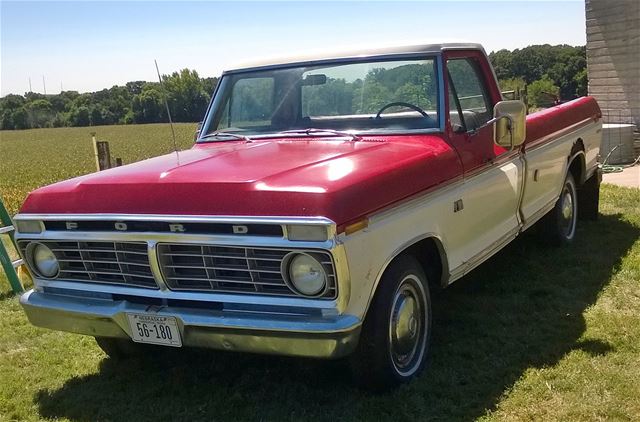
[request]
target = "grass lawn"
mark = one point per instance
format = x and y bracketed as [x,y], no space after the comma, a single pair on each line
[535,333]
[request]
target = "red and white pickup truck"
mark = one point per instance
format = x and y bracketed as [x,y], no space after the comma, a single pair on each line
[323,199]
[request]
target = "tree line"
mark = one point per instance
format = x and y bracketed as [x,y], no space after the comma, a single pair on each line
[549,71]
[557,71]
[137,102]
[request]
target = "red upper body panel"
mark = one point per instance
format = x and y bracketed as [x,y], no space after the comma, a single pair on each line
[329,177]
[337,179]
[555,119]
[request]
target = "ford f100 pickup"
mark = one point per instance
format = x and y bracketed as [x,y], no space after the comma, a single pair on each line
[322,201]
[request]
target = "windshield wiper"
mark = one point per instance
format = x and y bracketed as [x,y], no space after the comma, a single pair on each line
[311,131]
[221,134]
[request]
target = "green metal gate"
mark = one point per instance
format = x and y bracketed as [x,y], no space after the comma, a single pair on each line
[9,266]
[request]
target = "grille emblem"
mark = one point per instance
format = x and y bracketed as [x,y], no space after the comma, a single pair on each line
[71,225]
[177,228]
[240,229]
[121,226]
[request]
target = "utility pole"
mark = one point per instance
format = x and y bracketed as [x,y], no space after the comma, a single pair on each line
[44,85]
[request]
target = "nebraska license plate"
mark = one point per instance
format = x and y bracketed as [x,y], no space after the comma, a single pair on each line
[154,329]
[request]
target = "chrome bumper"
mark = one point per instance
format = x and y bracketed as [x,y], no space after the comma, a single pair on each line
[245,331]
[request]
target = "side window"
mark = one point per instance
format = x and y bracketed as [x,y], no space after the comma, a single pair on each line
[465,85]
[251,103]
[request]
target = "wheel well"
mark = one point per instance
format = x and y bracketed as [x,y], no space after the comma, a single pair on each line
[577,165]
[431,256]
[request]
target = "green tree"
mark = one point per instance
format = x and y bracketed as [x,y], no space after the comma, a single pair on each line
[563,64]
[187,97]
[80,116]
[147,107]
[543,92]
[40,113]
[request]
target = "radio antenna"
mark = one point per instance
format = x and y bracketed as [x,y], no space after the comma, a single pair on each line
[166,103]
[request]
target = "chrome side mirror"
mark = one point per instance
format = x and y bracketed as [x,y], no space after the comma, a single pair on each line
[509,123]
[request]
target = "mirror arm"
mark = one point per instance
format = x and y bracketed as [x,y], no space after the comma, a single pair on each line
[494,120]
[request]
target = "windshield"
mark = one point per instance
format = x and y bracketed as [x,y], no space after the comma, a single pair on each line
[361,96]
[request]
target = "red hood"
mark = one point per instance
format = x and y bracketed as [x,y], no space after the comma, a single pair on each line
[341,180]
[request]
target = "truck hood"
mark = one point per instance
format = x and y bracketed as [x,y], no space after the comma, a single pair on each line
[340,180]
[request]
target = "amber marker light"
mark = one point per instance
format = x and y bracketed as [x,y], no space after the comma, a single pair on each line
[357,226]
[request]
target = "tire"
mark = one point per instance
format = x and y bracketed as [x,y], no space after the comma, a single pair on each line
[589,198]
[394,341]
[559,225]
[117,348]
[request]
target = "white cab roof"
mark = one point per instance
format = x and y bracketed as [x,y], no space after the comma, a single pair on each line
[327,55]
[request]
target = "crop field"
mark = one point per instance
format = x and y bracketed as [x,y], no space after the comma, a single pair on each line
[535,333]
[37,157]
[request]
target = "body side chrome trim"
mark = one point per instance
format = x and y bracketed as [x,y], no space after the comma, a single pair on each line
[546,140]
[441,188]
[498,162]
[538,215]
[416,199]
[481,257]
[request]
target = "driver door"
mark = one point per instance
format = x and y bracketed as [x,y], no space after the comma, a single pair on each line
[490,193]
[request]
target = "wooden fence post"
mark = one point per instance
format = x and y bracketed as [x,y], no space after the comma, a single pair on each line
[104,157]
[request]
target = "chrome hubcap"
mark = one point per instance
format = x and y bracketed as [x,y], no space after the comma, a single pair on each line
[567,206]
[407,326]
[568,211]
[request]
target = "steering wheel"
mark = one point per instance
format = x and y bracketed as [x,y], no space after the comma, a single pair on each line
[403,104]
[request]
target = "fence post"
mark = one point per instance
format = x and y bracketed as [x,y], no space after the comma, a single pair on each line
[95,150]
[104,156]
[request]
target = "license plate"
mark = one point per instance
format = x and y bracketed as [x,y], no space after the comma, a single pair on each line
[154,329]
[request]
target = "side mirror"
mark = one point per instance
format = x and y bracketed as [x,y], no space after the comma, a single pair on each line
[197,133]
[509,118]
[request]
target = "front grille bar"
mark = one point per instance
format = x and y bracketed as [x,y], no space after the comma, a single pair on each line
[232,269]
[181,267]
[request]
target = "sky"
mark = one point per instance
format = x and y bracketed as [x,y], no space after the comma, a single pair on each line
[87,46]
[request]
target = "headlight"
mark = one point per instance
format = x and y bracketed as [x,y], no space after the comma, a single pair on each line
[305,274]
[44,260]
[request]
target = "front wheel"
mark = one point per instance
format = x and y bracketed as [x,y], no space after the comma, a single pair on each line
[560,224]
[396,332]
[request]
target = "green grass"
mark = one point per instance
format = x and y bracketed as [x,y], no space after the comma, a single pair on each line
[535,333]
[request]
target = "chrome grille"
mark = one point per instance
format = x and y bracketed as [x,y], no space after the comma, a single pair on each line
[124,263]
[231,269]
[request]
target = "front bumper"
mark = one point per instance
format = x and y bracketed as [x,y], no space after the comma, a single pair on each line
[254,331]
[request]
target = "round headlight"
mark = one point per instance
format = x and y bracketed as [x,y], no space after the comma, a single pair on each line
[45,261]
[306,274]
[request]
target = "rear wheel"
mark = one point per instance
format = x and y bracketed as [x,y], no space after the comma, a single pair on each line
[560,224]
[589,198]
[396,332]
